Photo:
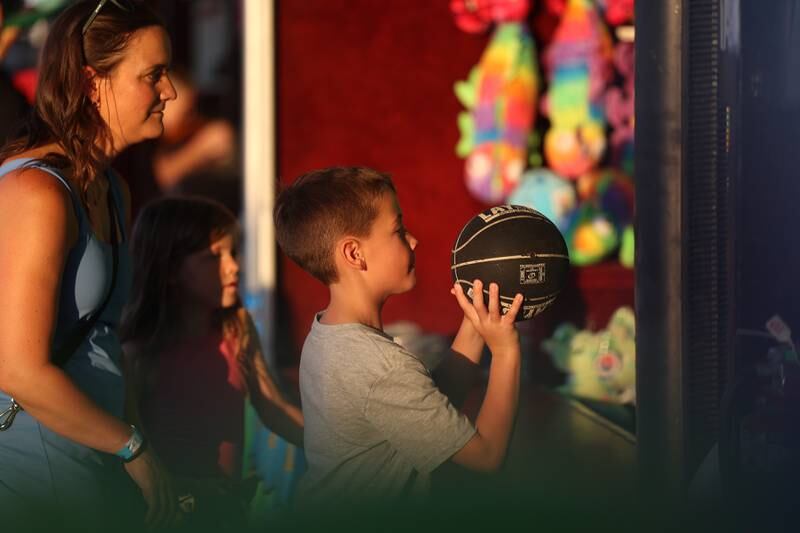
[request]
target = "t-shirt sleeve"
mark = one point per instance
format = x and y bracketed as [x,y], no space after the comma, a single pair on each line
[417,419]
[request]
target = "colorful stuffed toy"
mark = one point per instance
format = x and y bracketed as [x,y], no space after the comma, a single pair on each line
[548,193]
[475,16]
[591,235]
[604,211]
[599,366]
[500,97]
[577,65]
[617,12]
[610,191]
[627,256]
[620,108]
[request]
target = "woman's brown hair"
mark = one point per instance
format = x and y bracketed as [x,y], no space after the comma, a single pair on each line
[64,112]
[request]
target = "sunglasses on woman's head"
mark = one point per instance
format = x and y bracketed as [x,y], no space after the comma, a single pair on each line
[125,5]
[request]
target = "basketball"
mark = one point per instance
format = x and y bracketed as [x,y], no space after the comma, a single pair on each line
[519,249]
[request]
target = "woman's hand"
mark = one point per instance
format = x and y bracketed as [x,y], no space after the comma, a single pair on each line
[156,486]
[498,330]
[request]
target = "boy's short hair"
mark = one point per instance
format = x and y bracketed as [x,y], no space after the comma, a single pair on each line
[322,206]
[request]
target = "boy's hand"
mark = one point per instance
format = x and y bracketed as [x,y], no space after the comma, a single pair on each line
[499,331]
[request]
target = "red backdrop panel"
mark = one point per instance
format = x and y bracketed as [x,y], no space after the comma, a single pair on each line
[363,82]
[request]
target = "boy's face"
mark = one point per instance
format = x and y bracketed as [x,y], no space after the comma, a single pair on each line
[389,251]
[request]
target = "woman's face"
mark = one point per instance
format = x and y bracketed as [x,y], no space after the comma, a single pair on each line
[133,97]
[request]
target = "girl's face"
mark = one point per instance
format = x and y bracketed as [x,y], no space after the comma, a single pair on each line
[133,97]
[210,277]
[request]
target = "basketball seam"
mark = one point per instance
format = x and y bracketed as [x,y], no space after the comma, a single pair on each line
[508,258]
[511,299]
[528,215]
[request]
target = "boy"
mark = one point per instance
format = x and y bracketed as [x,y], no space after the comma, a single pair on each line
[376,425]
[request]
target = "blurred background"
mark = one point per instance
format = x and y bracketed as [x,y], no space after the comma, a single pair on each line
[475,103]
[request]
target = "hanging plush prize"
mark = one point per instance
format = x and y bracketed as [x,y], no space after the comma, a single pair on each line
[611,191]
[500,97]
[577,64]
[548,193]
[620,108]
[617,12]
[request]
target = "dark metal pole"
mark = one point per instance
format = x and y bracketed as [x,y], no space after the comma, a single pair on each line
[660,221]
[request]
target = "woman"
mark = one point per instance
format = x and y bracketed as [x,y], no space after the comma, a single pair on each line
[103,86]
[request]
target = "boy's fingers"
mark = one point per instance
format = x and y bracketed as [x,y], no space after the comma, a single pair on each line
[477,297]
[494,301]
[461,298]
[511,315]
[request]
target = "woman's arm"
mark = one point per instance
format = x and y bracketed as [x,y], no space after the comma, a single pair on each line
[37,229]
[275,411]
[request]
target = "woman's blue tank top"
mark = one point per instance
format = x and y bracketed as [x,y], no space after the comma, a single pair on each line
[44,476]
[96,366]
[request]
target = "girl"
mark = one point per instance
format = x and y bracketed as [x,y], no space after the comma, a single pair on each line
[64,276]
[192,348]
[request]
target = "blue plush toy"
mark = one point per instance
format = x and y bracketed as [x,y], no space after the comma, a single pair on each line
[548,193]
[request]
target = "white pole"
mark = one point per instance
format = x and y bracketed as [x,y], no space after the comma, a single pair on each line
[259,166]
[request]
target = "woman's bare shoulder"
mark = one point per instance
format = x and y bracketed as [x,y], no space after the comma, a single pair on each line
[33,191]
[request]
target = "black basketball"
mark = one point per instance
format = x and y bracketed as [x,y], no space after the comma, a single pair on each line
[519,249]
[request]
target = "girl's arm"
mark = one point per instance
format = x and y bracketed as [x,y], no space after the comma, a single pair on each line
[277,413]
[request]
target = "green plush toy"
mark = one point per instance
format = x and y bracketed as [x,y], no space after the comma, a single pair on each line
[600,365]
[626,249]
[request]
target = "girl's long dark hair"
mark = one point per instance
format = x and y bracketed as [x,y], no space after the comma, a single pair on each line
[64,112]
[167,230]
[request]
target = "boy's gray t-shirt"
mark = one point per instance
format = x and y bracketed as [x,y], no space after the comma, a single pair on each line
[376,425]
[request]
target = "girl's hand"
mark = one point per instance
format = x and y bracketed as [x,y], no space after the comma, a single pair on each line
[156,486]
[499,331]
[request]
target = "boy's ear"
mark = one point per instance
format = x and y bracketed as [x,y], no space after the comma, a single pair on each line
[349,250]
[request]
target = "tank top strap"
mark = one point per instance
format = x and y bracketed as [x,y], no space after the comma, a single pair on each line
[9,166]
[116,192]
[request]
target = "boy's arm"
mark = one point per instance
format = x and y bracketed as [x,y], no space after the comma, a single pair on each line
[459,371]
[486,450]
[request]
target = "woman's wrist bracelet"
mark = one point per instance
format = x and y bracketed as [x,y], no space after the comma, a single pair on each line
[134,447]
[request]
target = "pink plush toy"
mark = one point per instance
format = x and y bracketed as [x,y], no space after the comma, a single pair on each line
[620,109]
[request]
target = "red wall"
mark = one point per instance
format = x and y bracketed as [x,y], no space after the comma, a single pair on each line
[367,82]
